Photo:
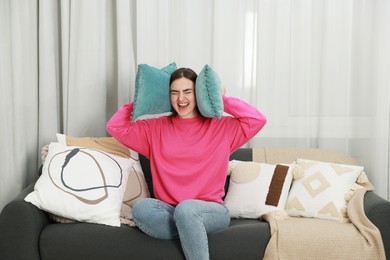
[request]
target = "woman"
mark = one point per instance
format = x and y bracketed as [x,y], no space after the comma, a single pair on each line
[189,156]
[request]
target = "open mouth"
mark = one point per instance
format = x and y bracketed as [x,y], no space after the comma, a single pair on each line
[184,105]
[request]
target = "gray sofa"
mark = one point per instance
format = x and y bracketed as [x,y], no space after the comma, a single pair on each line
[28,233]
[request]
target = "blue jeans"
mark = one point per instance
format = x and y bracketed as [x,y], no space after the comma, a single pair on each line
[190,221]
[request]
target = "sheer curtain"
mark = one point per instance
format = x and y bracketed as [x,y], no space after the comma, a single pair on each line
[65,67]
[86,65]
[18,96]
[323,79]
[319,70]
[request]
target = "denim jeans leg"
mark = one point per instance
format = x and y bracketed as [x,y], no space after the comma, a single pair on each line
[194,220]
[155,218]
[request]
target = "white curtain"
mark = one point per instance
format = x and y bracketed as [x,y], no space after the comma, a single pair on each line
[65,67]
[18,96]
[319,70]
[86,65]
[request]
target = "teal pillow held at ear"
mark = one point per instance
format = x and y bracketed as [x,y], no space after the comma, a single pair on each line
[151,97]
[208,93]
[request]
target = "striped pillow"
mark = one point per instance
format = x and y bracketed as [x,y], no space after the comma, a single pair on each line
[257,188]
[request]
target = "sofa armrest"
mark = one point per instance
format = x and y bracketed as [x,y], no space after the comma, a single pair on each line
[377,210]
[21,224]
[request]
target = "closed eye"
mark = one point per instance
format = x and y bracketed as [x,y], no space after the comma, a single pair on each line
[185,92]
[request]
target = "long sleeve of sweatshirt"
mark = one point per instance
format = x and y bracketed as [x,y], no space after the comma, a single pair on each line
[133,135]
[250,121]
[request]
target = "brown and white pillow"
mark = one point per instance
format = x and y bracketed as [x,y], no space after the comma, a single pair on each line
[257,188]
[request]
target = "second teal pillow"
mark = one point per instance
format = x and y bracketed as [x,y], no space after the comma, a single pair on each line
[208,93]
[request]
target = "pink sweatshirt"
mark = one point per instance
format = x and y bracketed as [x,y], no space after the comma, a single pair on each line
[189,157]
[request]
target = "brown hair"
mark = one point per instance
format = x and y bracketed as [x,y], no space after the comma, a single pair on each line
[183,73]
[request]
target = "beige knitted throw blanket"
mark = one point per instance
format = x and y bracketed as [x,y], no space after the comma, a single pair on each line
[309,238]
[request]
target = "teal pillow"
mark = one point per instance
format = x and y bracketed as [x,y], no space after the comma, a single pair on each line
[208,93]
[151,97]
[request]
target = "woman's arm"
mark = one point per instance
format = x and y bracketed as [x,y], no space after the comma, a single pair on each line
[132,135]
[248,120]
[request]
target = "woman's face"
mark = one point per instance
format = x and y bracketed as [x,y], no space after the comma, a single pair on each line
[183,98]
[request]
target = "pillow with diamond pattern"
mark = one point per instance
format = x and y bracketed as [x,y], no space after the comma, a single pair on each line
[321,190]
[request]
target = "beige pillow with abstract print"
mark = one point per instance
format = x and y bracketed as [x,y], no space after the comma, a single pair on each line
[136,187]
[82,184]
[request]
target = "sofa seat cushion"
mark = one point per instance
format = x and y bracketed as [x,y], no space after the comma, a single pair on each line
[244,239]
[93,241]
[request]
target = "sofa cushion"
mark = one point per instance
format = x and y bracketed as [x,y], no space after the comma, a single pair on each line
[244,239]
[82,184]
[145,164]
[290,154]
[257,188]
[90,241]
[321,188]
[136,187]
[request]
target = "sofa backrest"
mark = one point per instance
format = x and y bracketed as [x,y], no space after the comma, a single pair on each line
[288,155]
[268,155]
